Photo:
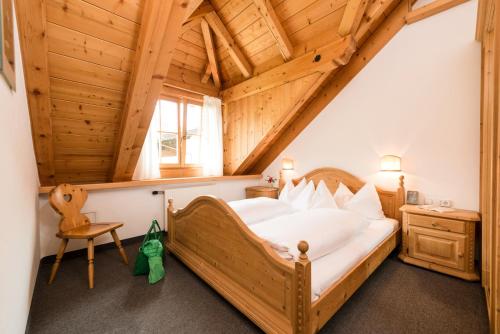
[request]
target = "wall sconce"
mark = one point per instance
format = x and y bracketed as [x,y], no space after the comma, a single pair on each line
[390,163]
[287,164]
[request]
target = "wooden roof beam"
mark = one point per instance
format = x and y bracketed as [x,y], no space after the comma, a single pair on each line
[206,74]
[430,9]
[31,21]
[354,11]
[234,51]
[209,45]
[273,23]
[322,60]
[160,30]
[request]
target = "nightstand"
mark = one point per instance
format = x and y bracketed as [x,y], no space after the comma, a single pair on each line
[260,191]
[443,242]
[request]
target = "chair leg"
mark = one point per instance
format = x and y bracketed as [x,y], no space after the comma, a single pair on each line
[90,254]
[119,245]
[55,266]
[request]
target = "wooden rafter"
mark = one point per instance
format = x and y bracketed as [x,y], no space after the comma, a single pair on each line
[206,74]
[209,45]
[430,9]
[186,79]
[351,19]
[272,21]
[234,51]
[31,21]
[161,27]
[382,34]
[201,11]
[324,59]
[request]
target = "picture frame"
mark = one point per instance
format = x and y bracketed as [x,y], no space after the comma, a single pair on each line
[412,197]
[7,52]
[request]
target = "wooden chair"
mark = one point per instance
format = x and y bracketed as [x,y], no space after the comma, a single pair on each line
[68,200]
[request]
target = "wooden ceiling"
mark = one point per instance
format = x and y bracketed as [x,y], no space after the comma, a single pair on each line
[95,68]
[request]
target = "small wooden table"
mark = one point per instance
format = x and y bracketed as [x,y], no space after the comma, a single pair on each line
[443,242]
[261,191]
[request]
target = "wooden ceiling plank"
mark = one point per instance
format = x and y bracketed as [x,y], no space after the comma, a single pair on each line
[382,34]
[129,9]
[31,21]
[83,111]
[430,9]
[186,79]
[200,12]
[234,51]
[323,59]
[161,28]
[351,19]
[206,74]
[209,44]
[273,23]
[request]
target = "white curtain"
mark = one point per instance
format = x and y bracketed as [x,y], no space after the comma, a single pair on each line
[211,137]
[148,166]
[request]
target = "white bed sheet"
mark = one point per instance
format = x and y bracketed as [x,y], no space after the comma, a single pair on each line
[256,210]
[328,269]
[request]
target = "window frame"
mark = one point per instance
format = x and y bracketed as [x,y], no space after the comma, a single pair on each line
[182,103]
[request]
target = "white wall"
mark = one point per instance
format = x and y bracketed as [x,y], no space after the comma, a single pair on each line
[19,240]
[135,207]
[418,98]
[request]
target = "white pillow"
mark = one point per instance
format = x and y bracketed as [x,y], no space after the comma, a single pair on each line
[284,192]
[304,200]
[342,195]
[323,198]
[366,203]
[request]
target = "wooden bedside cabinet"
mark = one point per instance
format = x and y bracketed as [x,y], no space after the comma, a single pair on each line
[442,242]
[260,191]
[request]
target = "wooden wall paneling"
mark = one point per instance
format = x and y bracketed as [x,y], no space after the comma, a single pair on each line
[209,45]
[324,59]
[33,41]
[94,21]
[183,78]
[272,21]
[83,93]
[221,31]
[85,127]
[129,9]
[353,14]
[72,43]
[82,164]
[63,67]
[83,111]
[383,34]
[433,8]
[160,31]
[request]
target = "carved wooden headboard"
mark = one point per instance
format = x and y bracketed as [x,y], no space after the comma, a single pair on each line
[391,200]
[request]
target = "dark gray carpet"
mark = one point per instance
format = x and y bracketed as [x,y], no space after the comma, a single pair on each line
[397,298]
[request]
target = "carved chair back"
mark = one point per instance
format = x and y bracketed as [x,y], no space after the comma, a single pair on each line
[68,200]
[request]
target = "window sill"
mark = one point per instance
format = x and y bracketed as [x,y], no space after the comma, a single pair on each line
[156,182]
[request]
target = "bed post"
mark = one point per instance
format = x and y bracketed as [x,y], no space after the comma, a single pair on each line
[400,197]
[302,295]
[170,221]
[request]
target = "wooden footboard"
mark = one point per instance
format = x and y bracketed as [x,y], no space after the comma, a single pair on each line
[209,237]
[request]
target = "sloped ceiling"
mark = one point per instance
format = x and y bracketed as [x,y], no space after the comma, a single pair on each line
[88,55]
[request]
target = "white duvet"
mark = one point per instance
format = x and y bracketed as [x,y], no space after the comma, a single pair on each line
[325,230]
[255,210]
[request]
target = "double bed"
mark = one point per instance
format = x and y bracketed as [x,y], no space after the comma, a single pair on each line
[281,295]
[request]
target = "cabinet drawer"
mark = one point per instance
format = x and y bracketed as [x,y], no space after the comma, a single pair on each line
[439,247]
[442,224]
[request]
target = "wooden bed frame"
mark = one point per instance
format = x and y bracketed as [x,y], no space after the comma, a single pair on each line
[210,238]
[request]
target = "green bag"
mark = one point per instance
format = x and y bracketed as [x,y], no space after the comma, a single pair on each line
[153,249]
[141,266]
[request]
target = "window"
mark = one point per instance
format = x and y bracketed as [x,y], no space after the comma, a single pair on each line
[180,132]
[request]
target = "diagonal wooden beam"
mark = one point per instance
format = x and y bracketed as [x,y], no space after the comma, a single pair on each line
[430,9]
[206,74]
[161,27]
[203,9]
[324,59]
[31,21]
[209,45]
[273,23]
[234,51]
[351,19]
[381,35]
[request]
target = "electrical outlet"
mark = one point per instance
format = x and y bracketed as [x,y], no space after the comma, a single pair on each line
[445,203]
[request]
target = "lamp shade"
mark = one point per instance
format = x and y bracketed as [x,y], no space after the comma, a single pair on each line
[390,163]
[287,164]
